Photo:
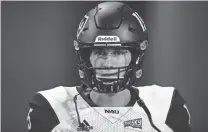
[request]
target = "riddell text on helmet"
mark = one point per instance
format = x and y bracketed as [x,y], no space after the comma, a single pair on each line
[107,39]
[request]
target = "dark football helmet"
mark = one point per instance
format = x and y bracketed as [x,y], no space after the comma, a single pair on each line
[111,24]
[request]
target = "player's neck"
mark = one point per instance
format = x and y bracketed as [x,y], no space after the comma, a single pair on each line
[111,100]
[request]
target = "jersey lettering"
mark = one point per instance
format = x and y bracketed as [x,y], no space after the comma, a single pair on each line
[28,119]
[112,111]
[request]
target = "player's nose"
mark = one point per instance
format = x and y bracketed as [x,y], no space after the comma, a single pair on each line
[108,62]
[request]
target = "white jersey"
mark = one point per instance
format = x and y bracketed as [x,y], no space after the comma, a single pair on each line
[110,119]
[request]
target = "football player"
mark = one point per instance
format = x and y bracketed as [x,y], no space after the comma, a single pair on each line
[110,44]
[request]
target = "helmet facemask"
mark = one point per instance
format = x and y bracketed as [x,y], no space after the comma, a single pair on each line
[110,78]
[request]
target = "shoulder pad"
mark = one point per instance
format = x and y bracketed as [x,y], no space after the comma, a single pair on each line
[59,98]
[60,94]
[157,99]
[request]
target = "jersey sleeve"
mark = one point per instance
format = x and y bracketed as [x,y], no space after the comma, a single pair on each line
[41,117]
[178,118]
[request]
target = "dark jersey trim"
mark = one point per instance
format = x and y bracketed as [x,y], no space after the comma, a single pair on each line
[43,118]
[178,118]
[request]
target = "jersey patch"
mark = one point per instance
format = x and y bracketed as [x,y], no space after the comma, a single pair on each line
[135,123]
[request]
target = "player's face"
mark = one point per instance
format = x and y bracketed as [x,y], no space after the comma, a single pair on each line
[110,58]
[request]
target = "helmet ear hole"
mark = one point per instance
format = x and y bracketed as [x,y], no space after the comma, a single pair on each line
[139,73]
[143,45]
[81,73]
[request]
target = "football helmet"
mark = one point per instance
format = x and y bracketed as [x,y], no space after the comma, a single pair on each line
[111,24]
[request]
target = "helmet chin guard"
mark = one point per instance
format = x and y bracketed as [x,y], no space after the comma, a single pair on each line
[116,25]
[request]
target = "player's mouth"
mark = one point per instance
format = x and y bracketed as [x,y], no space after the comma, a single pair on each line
[110,74]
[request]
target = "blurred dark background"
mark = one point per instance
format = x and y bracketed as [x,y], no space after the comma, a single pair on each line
[37,52]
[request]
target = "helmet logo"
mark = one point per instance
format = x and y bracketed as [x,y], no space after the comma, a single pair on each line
[82,25]
[135,14]
[107,39]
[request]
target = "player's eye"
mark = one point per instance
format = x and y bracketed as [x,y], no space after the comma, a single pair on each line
[100,53]
[119,52]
